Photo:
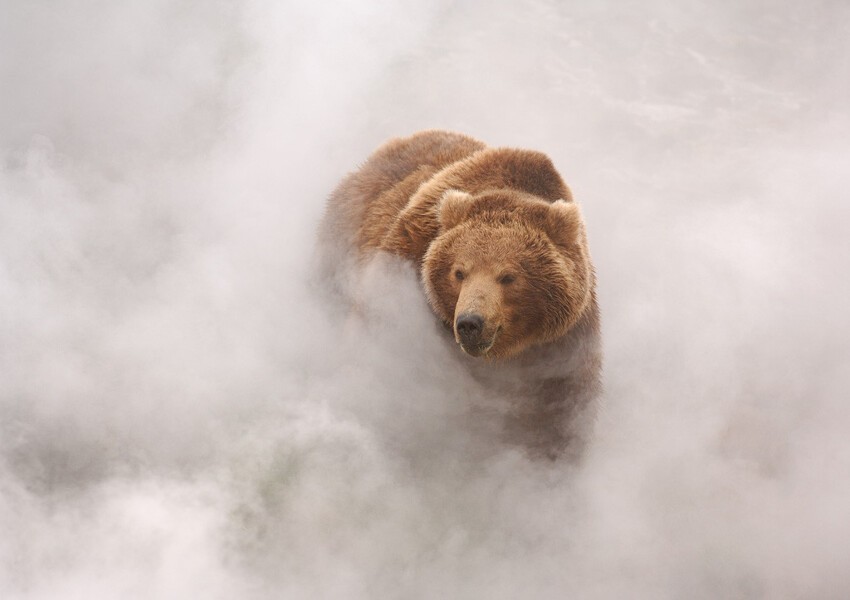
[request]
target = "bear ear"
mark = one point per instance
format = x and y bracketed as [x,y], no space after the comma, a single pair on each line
[453,207]
[564,223]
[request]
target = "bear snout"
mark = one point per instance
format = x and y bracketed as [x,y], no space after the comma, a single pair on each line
[469,326]
[470,332]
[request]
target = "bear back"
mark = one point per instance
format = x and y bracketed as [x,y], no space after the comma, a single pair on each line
[417,224]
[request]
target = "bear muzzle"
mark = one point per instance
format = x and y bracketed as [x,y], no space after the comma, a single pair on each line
[471,332]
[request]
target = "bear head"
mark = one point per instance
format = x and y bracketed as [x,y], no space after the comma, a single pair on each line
[507,270]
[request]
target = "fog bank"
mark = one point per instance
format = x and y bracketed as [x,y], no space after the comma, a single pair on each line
[181,417]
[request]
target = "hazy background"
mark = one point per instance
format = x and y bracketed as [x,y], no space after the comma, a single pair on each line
[180,418]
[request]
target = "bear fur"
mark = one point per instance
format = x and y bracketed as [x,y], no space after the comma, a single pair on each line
[504,262]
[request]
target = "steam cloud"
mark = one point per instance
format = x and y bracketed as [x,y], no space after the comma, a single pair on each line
[181,418]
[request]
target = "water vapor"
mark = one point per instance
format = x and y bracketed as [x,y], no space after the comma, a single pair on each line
[181,415]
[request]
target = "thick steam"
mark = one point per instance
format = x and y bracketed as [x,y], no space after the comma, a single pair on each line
[180,415]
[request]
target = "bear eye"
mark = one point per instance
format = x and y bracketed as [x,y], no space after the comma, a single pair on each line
[507,278]
[459,275]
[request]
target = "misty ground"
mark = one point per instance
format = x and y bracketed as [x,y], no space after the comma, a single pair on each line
[180,417]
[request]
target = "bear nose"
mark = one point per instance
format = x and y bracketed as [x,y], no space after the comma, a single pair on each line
[469,327]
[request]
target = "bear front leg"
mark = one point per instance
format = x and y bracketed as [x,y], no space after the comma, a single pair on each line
[555,421]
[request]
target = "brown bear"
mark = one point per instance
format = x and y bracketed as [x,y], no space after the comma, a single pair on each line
[504,262]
